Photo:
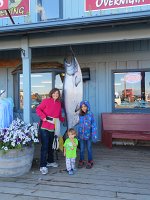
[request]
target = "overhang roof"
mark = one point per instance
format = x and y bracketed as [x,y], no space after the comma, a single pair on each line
[78,23]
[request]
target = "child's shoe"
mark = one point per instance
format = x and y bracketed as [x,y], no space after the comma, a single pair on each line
[89,164]
[70,172]
[74,170]
[81,163]
[43,170]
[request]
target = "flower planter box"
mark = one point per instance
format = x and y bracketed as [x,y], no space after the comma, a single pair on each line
[16,162]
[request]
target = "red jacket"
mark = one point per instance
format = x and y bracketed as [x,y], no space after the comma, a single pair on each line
[49,108]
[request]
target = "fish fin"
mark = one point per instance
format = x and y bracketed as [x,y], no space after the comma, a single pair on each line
[77,108]
[77,80]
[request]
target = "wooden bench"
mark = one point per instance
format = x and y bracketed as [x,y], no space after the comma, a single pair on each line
[130,126]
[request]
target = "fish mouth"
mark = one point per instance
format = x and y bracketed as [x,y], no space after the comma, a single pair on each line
[71,67]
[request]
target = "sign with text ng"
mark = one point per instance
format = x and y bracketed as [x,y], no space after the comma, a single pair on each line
[15,7]
[3,4]
[111,4]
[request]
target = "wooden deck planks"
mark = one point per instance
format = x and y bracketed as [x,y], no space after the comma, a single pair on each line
[119,173]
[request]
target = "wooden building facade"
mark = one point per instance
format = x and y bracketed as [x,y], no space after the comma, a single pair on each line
[113,43]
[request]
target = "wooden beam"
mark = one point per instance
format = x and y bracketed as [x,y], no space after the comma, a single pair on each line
[9,63]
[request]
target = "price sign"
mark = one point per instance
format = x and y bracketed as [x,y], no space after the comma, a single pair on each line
[3,4]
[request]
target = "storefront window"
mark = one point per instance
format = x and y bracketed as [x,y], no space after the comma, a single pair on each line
[41,84]
[59,81]
[132,90]
[48,9]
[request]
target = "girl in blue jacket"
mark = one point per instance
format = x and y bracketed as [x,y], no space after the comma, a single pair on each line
[86,133]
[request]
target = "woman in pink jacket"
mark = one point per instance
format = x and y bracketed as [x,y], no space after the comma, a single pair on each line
[49,112]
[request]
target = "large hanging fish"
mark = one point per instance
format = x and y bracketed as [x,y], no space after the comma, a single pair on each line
[73,91]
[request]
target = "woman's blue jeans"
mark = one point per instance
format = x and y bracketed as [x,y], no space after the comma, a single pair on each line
[88,145]
[47,153]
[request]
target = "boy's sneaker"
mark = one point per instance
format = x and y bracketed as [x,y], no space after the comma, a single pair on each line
[70,172]
[43,170]
[54,164]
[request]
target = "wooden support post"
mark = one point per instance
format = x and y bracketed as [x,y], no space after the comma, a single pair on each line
[26,63]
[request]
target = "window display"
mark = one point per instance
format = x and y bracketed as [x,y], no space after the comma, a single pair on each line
[41,84]
[132,90]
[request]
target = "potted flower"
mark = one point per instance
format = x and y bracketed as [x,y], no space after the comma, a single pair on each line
[17,148]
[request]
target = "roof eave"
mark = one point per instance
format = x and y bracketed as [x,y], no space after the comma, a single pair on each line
[84,22]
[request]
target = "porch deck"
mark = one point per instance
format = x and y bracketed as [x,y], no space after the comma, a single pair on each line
[119,173]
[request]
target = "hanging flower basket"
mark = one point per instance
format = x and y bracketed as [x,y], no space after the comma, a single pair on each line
[17,148]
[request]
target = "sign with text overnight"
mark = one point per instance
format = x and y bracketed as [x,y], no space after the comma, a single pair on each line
[3,4]
[110,4]
[15,7]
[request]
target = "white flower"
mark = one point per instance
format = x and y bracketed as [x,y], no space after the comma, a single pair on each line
[13,144]
[36,140]
[18,135]
[6,148]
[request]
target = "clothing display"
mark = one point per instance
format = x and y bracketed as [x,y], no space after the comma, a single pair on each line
[6,112]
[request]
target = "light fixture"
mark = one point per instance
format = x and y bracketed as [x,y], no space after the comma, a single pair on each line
[85,74]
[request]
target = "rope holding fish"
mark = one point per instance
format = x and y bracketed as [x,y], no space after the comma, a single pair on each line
[72,51]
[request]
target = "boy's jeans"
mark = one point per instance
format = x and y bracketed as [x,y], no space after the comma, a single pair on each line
[47,153]
[88,145]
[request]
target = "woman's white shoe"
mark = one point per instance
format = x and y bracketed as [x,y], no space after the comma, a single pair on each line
[54,164]
[44,170]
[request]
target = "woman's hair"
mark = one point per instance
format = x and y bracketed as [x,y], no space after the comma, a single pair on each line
[53,91]
[71,130]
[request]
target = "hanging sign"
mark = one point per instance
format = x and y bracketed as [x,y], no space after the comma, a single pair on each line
[3,4]
[15,7]
[109,4]
[133,77]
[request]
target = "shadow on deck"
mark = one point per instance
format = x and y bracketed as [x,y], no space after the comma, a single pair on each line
[120,173]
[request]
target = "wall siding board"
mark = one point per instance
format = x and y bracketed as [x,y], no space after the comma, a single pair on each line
[132,64]
[148,43]
[110,66]
[100,93]
[121,65]
[67,12]
[137,45]
[144,64]
[144,45]
[115,47]
[97,99]
[85,83]
[92,87]
[86,90]
[92,92]
[101,82]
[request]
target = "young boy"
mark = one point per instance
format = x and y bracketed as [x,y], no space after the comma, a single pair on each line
[70,149]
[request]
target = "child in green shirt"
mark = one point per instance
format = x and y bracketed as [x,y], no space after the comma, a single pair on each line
[70,149]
